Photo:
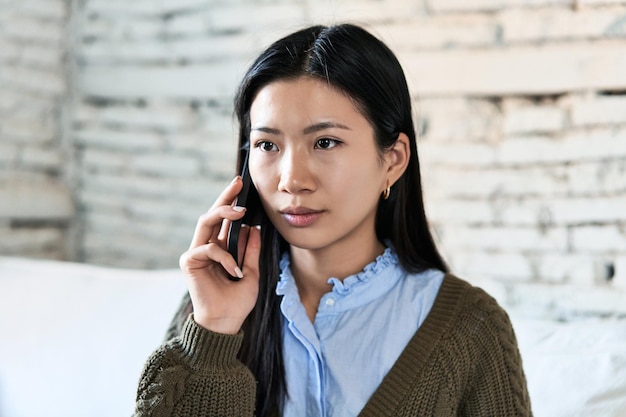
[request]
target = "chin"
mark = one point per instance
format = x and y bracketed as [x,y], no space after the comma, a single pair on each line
[303,240]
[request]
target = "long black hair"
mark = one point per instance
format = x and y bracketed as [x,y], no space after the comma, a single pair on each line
[356,63]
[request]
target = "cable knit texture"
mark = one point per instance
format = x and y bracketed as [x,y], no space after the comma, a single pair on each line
[463,361]
[197,374]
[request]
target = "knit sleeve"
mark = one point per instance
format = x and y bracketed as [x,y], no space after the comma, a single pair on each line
[175,328]
[497,385]
[196,374]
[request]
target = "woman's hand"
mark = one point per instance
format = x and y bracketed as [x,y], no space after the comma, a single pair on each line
[220,304]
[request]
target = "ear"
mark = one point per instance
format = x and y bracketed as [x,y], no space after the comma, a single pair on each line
[397,158]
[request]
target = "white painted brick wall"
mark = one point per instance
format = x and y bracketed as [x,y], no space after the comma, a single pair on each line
[34,80]
[619,281]
[551,267]
[37,242]
[605,177]
[459,119]
[131,82]
[436,32]
[534,120]
[102,161]
[564,301]
[164,118]
[575,147]
[27,199]
[459,212]
[28,29]
[362,11]
[600,239]
[119,140]
[45,159]
[508,239]
[36,204]
[45,9]
[521,104]
[601,111]
[8,154]
[141,8]
[557,24]
[536,70]
[544,211]
[175,166]
[442,154]
[600,2]
[507,267]
[488,5]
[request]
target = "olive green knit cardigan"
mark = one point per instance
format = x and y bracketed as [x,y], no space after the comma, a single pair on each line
[463,361]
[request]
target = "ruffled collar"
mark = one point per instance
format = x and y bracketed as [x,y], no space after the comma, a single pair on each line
[384,261]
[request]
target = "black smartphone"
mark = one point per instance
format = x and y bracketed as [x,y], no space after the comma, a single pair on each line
[248,198]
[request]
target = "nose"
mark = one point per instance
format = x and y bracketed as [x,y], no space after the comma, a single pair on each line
[295,173]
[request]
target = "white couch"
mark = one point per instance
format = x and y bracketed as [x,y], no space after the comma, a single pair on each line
[73,340]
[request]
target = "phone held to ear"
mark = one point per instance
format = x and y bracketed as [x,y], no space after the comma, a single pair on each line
[248,198]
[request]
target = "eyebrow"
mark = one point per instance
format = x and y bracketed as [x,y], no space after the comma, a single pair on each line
[323,126]
[307,130]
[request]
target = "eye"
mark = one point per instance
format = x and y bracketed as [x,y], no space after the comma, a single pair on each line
[266,146]
[326,143]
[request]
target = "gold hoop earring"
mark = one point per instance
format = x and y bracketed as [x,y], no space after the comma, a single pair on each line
[387,191]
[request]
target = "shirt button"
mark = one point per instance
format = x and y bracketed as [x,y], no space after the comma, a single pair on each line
[330,302]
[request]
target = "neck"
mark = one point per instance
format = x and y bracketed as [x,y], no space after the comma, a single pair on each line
[312,268]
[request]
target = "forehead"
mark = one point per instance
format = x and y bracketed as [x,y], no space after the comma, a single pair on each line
[300,99]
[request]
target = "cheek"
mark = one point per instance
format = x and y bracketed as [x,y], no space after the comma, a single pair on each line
[260,179]
[361,176]
[356,190]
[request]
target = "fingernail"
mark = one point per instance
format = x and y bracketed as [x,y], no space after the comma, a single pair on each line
[238,272]
[239,208]
[235,179]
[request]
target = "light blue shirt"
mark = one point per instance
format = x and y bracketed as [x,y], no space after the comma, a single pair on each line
[334,365]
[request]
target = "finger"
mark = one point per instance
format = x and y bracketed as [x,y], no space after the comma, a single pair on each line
[226,198]
[252,253]
[209,224]
[229,193]
[202,256]
[223,234]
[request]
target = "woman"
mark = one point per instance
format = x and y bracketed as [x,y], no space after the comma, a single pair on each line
[343,303]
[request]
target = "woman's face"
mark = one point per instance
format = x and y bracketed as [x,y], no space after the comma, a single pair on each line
[315,164]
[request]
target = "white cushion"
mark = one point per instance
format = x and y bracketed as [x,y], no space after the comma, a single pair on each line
[574,369]
[74,338]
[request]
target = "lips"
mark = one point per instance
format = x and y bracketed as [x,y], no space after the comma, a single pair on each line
[300,216]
